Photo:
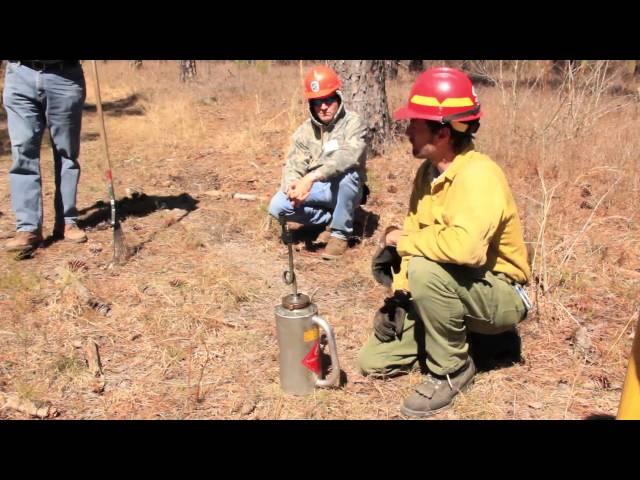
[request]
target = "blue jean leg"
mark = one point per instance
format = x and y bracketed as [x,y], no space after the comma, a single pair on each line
[316,212]
[26,122]
[33,99]
[65,93]
[347,191]
[334,201]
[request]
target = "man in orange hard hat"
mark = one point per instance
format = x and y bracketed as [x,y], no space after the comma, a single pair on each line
[461,260]
[324,173]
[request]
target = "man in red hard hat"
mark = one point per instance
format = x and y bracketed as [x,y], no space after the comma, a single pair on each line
[324,173]
[462,258]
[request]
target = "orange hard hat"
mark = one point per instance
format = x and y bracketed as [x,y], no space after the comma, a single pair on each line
[441,94]
[320,81]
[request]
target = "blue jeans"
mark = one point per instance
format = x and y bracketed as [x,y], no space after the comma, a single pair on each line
[33,100]
[333,202]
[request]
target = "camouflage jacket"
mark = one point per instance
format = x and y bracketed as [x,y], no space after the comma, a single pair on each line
[330,149]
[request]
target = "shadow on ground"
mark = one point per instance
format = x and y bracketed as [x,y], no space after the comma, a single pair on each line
[98,215]
[490,352]
[119,108]
[135,206]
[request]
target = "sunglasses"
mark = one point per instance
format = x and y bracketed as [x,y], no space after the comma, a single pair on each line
[316,102]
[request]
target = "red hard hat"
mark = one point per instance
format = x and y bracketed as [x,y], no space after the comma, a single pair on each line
[441,94]
[320,81]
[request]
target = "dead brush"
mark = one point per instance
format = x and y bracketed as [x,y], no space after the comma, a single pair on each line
[233,291]
[15,279]
[194,240]
[69,281]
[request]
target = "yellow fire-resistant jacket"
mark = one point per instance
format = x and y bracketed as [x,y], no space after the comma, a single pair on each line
[466,216]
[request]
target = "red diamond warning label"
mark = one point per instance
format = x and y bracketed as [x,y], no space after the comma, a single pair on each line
[312,359]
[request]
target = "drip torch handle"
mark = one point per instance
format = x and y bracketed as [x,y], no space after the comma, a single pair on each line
[334,377]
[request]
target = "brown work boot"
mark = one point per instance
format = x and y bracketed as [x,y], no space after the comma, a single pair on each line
[73,233]
[24,241]
[335,248]
[437,392]
[324,236]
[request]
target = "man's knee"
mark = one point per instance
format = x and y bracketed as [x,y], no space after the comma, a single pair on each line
[378,362]
[279,203]
[25,162]
[350,180]
[368,362]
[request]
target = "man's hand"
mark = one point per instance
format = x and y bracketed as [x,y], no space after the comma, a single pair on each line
[299,190]
[388,322]
[393,236]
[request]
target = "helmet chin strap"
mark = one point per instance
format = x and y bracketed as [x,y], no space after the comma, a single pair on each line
[459,126]
[456,116]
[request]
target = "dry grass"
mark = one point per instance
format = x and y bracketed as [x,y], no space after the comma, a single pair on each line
[191,332]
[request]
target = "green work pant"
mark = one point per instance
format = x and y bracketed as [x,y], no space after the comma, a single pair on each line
[447,299]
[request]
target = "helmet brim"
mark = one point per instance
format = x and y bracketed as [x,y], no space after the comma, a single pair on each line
[407,113]
[320,93]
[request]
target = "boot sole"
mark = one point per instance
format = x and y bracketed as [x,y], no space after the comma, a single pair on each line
[418,414]
[422,414]
[331,257]
[21,248]
[82,240]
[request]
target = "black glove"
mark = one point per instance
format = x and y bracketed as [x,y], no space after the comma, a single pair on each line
[386,261]
[388,322]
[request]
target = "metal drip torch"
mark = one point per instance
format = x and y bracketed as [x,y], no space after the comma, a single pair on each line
[297,323]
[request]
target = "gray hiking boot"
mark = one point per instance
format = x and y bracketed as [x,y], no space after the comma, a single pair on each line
[437,393]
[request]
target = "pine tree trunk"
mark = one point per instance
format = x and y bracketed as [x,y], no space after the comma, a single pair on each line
[391,69]
[187,70]
[364,92]
[416,65]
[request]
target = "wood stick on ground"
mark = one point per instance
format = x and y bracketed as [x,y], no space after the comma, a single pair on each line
[244,196]
[92,356]
[33,408]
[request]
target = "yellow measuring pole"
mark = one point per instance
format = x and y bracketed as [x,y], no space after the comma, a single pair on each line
[630,400]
